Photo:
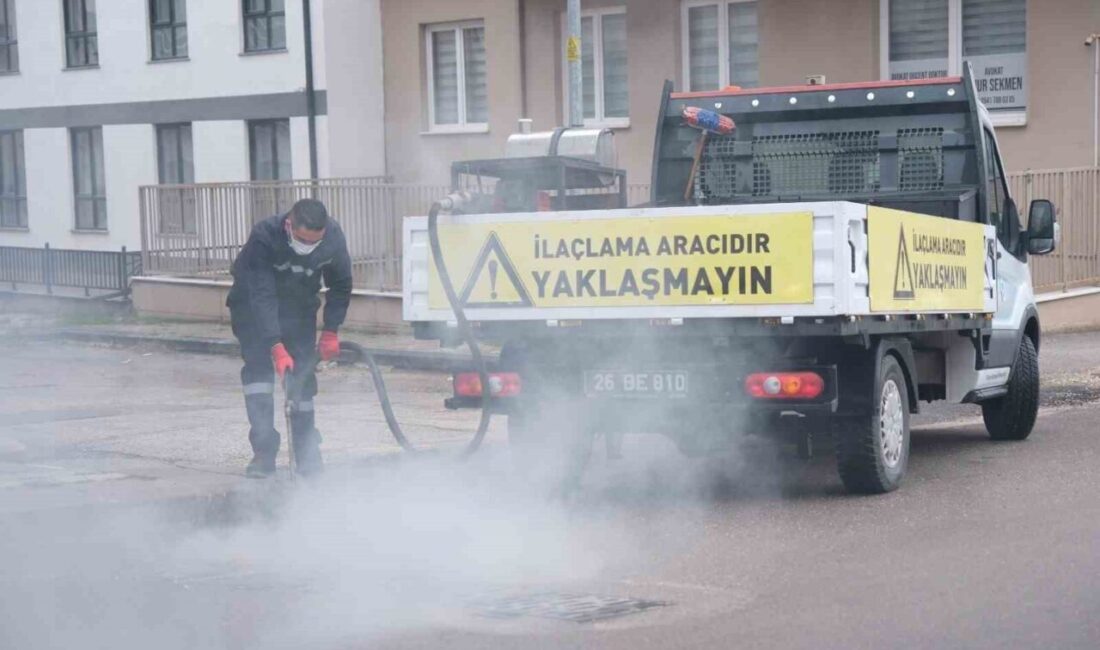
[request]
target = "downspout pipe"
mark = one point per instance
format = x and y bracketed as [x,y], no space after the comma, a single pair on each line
[311,100]
[1091,41]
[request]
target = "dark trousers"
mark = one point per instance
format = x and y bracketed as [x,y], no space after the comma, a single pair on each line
[258,384]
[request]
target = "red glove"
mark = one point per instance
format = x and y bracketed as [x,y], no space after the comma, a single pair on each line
[329,345]
[282,359]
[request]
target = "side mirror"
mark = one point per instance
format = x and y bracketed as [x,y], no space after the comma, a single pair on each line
[1042,228]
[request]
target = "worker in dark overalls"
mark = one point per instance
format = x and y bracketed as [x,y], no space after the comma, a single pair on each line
[273,308]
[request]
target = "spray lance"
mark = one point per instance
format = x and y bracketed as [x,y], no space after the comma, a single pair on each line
[450,203]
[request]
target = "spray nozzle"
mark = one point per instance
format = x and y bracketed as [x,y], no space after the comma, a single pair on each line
[455,201]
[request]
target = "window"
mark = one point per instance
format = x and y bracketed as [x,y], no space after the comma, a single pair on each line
[9,52]
[89,187]
[998,195]
[603,67]
[720,44]
[457,93]
[269,150]
[168,29]
[934,38]
[81,42]
[13,181]
[264,25]
[175,166]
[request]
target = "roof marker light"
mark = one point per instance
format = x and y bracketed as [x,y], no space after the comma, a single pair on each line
[870,96]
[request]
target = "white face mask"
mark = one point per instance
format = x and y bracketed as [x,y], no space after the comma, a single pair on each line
[300,247]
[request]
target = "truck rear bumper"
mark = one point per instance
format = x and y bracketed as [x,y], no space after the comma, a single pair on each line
[713,393]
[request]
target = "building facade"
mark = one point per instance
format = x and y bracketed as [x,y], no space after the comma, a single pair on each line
[99,98]
[460,72]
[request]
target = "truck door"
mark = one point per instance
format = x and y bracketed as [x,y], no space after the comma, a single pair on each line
[1014,293]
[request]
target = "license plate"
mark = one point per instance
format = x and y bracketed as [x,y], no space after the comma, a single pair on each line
[655,384]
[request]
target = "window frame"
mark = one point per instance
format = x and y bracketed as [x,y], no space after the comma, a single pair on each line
[996,183]
[600,120]
[88,36]
[1012,117]
[7,7]
[171,26]
[96,162]
[176,209]
[267,13]
[158,129]
[462,126]
[274,122]
[723,39]
[19,198]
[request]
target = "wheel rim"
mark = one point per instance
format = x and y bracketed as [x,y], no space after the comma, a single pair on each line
[891,423]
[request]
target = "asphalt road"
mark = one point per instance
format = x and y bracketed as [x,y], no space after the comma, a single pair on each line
[124,523]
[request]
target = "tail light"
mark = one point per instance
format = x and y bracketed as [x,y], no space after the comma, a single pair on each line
[784,385]
[501,384]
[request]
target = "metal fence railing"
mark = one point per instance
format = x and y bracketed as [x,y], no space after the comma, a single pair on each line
[108,271]
[1076,196]
[196,230]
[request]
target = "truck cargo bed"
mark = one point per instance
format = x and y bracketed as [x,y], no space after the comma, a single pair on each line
[816,260]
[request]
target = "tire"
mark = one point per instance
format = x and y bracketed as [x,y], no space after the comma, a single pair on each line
[872,449]
[1012,417]
[550,447]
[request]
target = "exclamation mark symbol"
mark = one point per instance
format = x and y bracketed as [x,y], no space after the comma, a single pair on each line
[493,278]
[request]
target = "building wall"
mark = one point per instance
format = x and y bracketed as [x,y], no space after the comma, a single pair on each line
[414,155]
[837,38]
[217,88]
[1060,120]
[215,67]
[221,151]
[352,41]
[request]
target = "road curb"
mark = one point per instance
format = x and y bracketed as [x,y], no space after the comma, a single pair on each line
[439,361]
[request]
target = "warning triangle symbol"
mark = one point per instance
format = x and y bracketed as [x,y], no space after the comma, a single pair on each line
[494,281]
[903,274]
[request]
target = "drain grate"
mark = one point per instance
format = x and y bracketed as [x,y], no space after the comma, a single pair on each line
[579,608]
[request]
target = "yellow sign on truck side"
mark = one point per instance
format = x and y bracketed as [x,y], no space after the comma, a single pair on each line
[924,263]
[629,262]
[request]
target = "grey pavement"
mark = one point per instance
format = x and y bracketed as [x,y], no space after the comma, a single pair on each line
[206,337]
[127,524]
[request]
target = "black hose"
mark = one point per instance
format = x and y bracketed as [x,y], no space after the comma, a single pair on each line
[464,331]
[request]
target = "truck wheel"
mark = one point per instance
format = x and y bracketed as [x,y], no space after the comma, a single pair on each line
[550,446]
[1013,416]
[873,449]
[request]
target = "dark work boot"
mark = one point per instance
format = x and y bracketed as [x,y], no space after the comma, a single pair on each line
[260,466]
[262,435]
[307,442]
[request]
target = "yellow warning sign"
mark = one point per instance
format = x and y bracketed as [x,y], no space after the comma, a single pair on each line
[573,49]
[494,281]
[924,263]
[630,262]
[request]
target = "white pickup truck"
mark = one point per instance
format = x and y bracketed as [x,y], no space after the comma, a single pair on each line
[842,254]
